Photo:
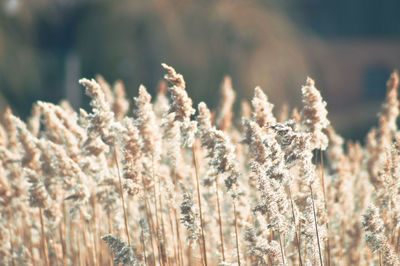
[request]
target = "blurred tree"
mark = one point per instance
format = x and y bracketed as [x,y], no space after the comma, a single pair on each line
[204,40]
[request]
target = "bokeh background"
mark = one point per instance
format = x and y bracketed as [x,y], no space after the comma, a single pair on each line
[348,47]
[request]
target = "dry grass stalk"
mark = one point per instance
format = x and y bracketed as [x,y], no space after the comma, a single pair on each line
[203,240]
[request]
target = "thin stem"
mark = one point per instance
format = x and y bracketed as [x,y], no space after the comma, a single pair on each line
[180,255]
[323,177]
[142,240]
[176,252]
[199,199]
[11,249]
[150,221]
[110,228]
[297,234]
[342,230]
[282,250]
[163,252]
[219,218]
[122,197]
[95,231]
[85,240]
[78,244]
[316,226]
[63,231]
[160,256]
[44,241]
[326,207]
[63,245]
[31,245]
[236,233]
[71,235]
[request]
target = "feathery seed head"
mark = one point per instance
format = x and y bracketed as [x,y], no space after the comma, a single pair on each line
[314,114]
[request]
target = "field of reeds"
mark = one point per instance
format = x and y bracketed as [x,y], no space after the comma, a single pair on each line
[161,183]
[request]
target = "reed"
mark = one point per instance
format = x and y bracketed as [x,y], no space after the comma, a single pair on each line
[143,185]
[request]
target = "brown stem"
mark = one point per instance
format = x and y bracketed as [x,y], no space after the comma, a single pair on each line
[199,199]
[219,219]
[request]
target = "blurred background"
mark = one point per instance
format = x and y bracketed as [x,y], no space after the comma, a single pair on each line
[348,47]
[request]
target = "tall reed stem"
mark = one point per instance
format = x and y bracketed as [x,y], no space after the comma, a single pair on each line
[63,245]
[12,248]
[282,250]
[87,254]
[44,241]
[326,207]
[150,221]
[159,244]
[296,231]
[180,254]
[219,218]
[143,241]
[122,197]
[316,226]
[398,241]
[163,251]
[236,233]
[199,199]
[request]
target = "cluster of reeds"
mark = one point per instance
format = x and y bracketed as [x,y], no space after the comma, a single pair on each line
[172,186]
